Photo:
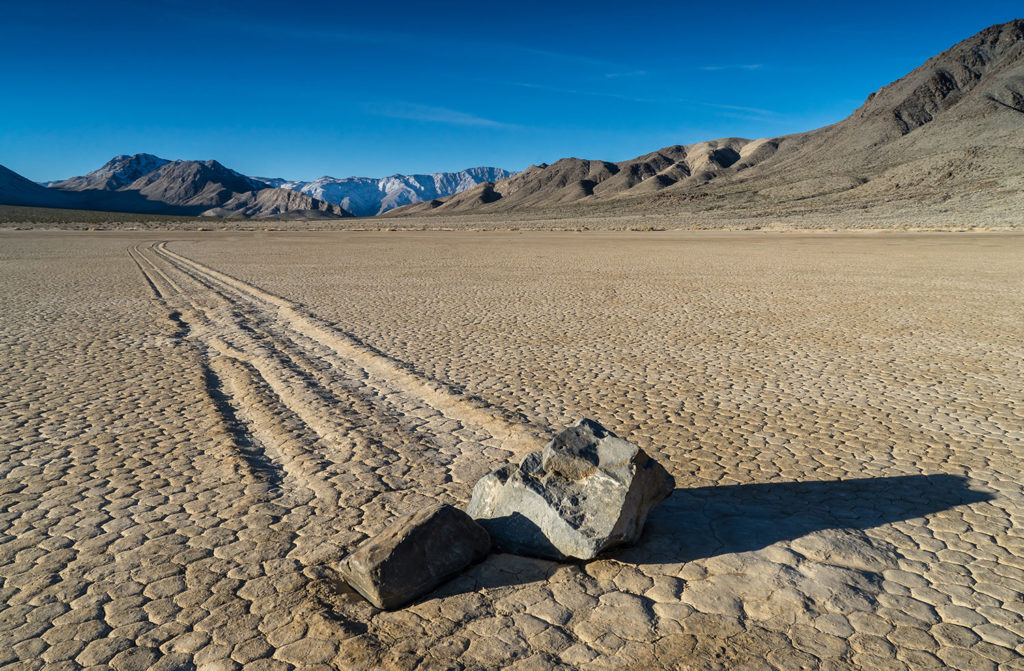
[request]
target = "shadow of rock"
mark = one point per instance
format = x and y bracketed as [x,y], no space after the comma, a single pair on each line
[498,570]
[704,522]
[522,528]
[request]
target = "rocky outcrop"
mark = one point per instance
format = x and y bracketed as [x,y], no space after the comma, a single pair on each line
[587,491]
[276,204]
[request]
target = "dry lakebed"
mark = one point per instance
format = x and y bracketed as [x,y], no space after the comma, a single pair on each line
[196,428]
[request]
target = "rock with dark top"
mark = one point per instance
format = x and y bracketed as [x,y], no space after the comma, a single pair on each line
[414,555]
[587,491]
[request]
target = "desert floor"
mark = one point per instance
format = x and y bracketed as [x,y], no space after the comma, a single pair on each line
[195,427]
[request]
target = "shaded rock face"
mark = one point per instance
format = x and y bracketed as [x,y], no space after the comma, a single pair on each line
[414,555]
[587,491]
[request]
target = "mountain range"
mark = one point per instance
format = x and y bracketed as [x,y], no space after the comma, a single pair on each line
[147,184]
[948,135]
[152,185]
[369,196]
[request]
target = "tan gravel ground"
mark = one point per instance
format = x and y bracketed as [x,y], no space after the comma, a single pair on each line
[192,433]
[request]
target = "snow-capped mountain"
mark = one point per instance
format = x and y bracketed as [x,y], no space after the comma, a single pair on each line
[368,196]
[275,182]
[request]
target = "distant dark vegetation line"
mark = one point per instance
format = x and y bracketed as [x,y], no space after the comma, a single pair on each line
[15,214]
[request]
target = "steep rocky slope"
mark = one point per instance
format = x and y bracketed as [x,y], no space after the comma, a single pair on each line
[948,134]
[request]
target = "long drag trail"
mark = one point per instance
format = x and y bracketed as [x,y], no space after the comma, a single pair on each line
[305,401]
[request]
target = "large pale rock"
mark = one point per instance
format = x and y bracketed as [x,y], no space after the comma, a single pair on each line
[587,491]
[414,555]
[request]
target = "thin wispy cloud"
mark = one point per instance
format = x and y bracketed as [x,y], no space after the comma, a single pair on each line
[750,117]
[443,115]
[623,75]
[650,101]
[738,66]
[736,108]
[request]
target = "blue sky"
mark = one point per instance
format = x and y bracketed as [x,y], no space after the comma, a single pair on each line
[300,90]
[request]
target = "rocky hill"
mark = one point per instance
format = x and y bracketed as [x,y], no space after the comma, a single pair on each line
[17,190]
[193,183]
[949,134]
[276,204]
[118,172]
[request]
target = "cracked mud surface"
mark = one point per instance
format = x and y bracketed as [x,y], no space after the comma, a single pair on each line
[195,428]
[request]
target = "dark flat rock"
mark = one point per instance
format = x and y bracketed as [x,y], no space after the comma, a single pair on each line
[414,555]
